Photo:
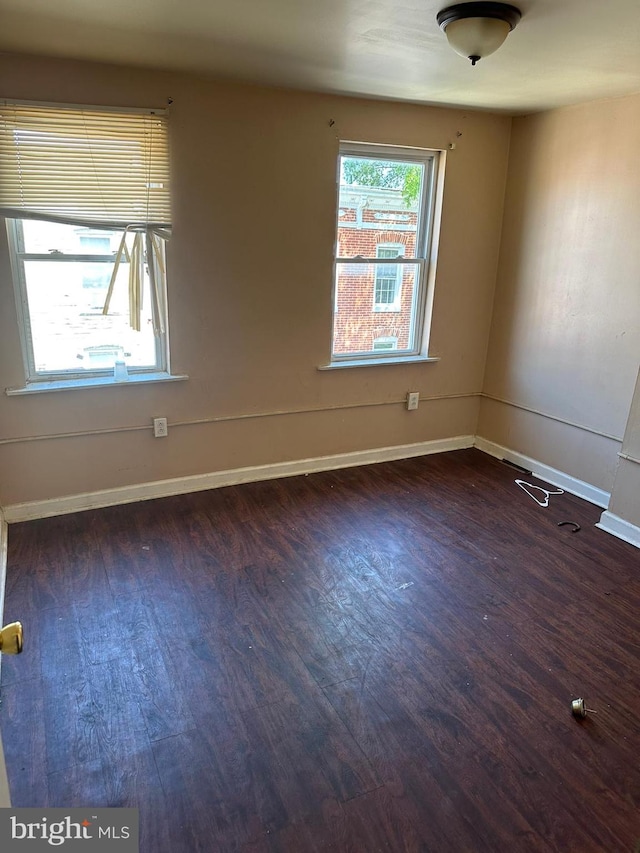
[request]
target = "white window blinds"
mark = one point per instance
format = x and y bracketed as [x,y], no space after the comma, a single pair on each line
[84,165]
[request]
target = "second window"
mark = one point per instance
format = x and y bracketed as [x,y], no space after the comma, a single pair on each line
[384,233]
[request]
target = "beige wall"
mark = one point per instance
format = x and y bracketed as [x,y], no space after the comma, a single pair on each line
[250,289]
[565,337]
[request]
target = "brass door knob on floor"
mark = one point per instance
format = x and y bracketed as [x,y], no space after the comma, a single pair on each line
[11,639]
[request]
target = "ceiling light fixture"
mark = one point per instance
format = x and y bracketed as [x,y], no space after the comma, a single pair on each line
[475,30]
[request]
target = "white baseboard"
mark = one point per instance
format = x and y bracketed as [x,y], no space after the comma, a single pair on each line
[200,482]
[619,527]
[545,472]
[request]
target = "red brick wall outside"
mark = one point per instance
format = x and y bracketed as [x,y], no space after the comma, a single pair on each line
[356,324]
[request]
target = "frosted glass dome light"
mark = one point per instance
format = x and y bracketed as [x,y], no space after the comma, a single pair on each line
[475,30]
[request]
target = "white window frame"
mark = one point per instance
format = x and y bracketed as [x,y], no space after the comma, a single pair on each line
[397,293]
[34,157]
[427,234]
[33,376]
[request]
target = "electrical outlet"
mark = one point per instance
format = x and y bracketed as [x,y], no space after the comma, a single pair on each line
[413,398]
[160,427]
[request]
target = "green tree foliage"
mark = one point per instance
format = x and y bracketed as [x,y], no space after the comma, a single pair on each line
[384,174]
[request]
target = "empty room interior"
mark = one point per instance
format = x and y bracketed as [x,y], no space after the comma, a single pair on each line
[320,422]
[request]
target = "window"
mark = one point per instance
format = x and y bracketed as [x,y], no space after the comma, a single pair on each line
[63,287]
[388,282]
[386,211]
[385,343]
[85,192]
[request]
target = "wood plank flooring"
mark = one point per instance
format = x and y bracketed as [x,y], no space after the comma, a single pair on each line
[374,659]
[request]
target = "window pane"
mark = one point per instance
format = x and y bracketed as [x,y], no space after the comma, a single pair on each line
[360,320]
[69,331]
[388,287]
[378,202]
[385,343]
[386,293]
[43,238]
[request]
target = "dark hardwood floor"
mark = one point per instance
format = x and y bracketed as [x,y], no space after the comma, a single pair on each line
[374,659]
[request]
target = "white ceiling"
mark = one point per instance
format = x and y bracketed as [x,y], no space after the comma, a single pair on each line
[562,52]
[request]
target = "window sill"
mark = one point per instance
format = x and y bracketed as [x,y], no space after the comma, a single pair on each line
[377,362]
[92,382]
